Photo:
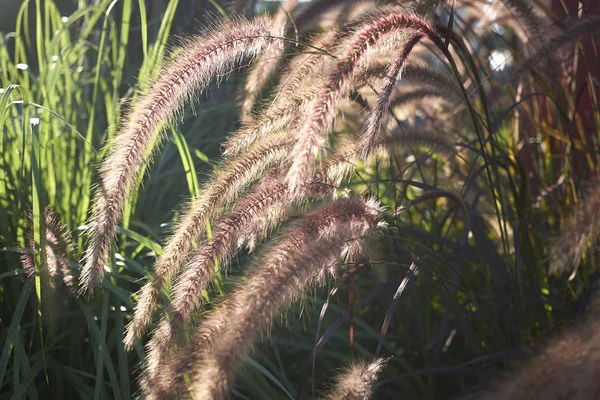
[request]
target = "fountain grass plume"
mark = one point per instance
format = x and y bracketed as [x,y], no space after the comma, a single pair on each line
[200,59]
[357,381]
[572,31]
[266,63]
[584,228]
[314,131]
[293,264]
[567,368]
[234,176]
[58,246]
[292,96]
[304,256]
[380,111]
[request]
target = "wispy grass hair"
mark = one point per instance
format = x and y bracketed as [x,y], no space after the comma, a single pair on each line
[304,255]
[190,72]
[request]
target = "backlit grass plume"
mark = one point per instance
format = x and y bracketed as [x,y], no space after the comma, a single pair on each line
[255,147]
[380,111]
[190,72]
[235,175]
[313,133]
[357,382]
[351,102]
[252,149]
[266,64]
[582,229]
[306,254]
[566,369]
[58,247]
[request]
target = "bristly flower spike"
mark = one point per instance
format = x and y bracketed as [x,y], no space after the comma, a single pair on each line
[358,381]
[200,60]
[314,132]
[305,255]
[235,175]
[378,113]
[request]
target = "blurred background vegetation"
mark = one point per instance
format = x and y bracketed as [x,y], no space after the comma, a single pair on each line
[480,299]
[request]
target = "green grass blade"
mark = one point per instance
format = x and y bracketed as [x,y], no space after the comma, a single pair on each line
[268,375]
[187,161]
[13,330]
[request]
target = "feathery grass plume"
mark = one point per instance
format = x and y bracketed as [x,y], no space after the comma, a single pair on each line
[568,368]
[380,111]
[314,132]
[59,246]
[420,95]
[441,82]
[292,95]
[305,19]
[202,58]
[55,274]
[169,382]
[343,161]
[266,63]
[267,202]
[356,383]
[306,253]
[526,15]
[296,90]
[235,174]
[572,31]
[253,217]
[584,228]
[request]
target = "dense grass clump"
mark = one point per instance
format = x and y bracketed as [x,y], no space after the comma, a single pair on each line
[407,190]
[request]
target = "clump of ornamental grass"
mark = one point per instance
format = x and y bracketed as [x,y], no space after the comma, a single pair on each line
[265,143]
[284,168]
[190,72]
[250,221]
[305,255]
